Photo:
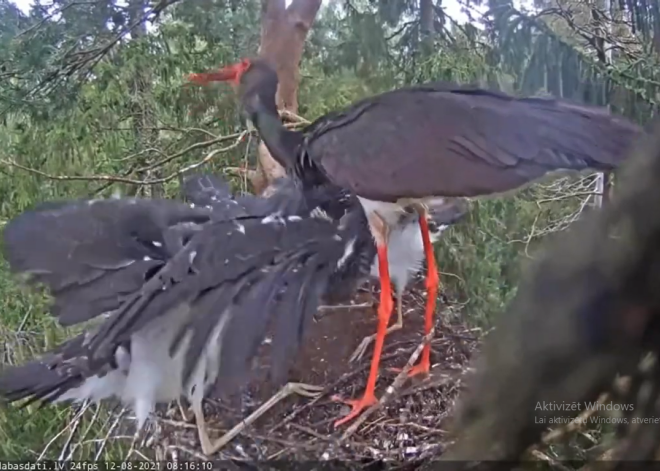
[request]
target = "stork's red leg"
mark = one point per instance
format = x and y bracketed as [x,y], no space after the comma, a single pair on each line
[432,282]
[384,313]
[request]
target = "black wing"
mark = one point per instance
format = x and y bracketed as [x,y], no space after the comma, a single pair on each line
[213,193]
[91,254]
[205,189]
[55,373]
[284,196]
[244,274]
[461,141]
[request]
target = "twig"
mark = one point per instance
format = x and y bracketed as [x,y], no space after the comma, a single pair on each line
[118,179]
[197,145]
[576,424]
[345,377]
[60,433]
[73,429]
[392,389]
[114,425]
[543,457]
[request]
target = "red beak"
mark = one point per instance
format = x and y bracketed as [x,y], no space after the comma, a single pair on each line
[231,73]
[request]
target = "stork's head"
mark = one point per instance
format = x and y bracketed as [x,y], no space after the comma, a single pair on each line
[255,80]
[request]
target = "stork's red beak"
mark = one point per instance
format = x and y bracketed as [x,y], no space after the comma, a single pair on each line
[231,73]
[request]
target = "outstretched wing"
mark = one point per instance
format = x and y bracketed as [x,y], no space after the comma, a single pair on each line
[228,309]
[205,189]
[238,276]
[91,254]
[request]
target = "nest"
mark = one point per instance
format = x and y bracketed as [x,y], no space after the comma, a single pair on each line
[411,423]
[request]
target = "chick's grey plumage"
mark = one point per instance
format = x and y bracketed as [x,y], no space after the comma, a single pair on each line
[169,317]
[92,253]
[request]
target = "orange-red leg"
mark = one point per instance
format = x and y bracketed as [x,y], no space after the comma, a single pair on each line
[432,282]
[384,313]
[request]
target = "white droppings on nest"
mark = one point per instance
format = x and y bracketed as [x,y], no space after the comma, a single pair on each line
[191,256]
[267,341]
[402,437]
[375,453]
[192,205]
[294,218]
[325,456]
[155,243]
[146,258]
[411,450]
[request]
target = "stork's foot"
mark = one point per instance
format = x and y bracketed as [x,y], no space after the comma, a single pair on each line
[421,368]
[302,389]
[362,348]
[357,406]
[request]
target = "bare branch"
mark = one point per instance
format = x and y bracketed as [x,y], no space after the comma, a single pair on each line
[131,181]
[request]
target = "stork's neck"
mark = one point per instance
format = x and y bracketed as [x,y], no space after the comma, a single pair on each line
[282,143]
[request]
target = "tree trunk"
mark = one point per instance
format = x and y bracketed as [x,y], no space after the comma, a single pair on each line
[283,34]
[426,26]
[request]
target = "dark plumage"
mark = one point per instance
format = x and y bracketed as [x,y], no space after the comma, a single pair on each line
[190,306]
[183,287]
[92,253]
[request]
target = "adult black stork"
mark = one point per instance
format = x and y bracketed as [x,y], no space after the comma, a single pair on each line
[405,147]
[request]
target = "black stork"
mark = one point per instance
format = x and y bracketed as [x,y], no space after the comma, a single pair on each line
[408,146]
[178,292]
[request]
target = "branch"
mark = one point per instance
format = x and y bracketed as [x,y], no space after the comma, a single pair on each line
[196,145]
[83,62]
[608,71]
[120,179]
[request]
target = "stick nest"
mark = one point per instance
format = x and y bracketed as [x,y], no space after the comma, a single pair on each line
[410,426]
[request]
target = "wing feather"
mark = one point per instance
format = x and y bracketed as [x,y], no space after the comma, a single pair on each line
[442,141]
